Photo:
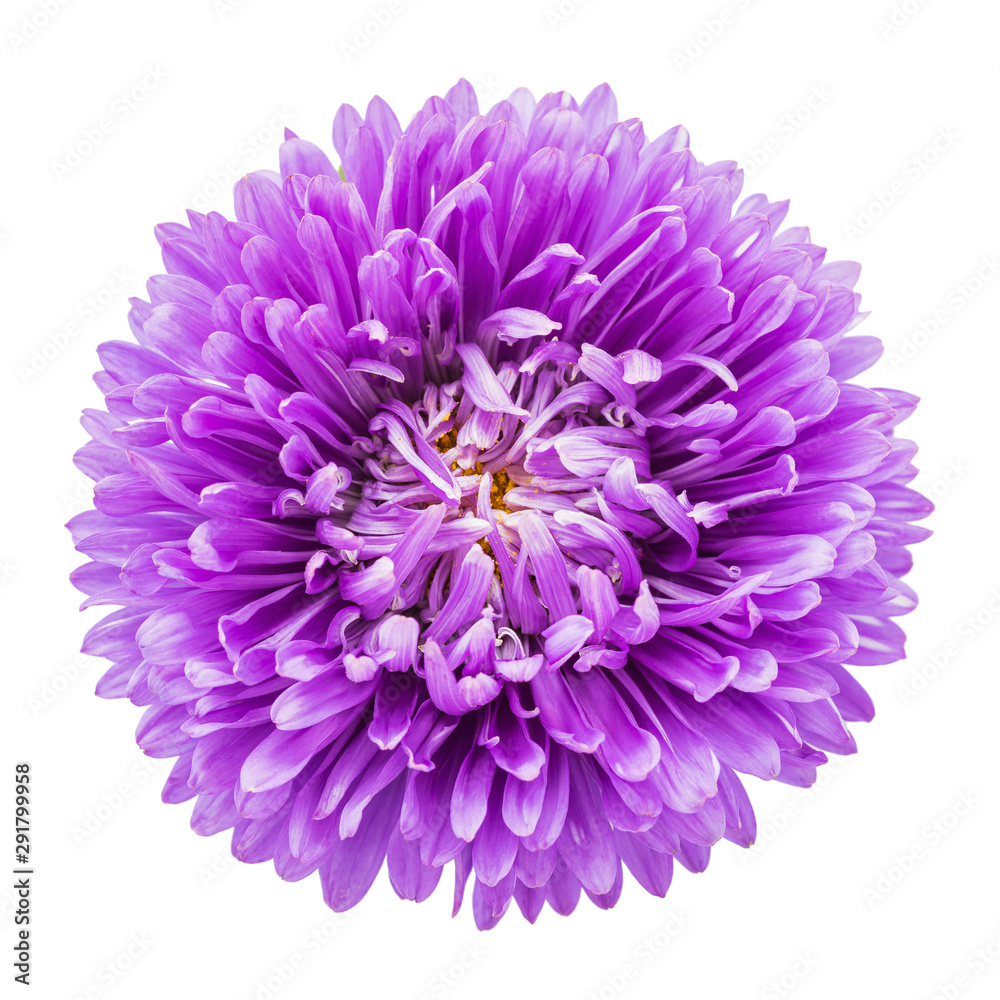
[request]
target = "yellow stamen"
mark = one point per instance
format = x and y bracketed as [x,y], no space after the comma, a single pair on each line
[447,441]
[501,484]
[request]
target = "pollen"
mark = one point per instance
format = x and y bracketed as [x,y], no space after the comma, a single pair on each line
[447,441]
[501,484]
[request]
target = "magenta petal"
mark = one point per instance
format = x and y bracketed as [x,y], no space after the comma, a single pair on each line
[410,877]
[586,841]
[495,846]
[352,864]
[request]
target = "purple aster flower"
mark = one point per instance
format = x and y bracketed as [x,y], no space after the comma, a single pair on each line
[500,500]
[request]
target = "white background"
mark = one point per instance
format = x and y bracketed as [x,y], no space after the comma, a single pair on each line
[822,907]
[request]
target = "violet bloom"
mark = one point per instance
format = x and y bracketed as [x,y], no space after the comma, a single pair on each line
[501,503]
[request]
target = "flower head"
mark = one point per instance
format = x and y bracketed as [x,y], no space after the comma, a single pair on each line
[499,499]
